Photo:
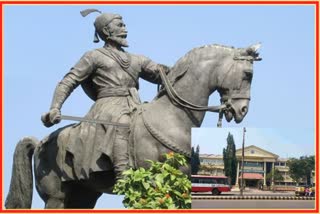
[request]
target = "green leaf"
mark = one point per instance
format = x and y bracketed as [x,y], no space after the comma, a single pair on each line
[159,177]
[161,186]
[177,193]
[146,185]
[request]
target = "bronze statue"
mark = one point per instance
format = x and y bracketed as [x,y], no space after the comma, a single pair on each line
[109,75]
[74,165]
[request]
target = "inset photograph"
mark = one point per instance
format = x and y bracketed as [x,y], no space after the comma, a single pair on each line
[241,168]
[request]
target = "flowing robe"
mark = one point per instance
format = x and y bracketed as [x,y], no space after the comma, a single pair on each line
[87,147]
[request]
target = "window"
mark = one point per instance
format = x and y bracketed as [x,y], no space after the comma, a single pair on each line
[195,180]
[280,163]
[253,164]
[222,181]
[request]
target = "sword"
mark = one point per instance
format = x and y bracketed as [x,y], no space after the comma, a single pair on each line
[88,120]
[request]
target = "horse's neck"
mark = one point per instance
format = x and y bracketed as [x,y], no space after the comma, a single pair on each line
[194,89]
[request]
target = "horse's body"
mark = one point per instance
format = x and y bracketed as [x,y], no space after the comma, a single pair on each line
[158,127]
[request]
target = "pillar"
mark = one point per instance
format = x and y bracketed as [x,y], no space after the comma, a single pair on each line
[272,181]
[237,179]
[265,174]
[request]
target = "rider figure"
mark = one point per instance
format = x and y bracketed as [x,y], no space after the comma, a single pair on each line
[109,75]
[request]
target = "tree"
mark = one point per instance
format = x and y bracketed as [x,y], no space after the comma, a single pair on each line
[309,164]
[162,186]
[195,160]
[229,159]
[300,169]
[277,176]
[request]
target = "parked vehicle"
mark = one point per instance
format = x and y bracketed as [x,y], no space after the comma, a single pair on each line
[213,184]
[305,191]
[300,191]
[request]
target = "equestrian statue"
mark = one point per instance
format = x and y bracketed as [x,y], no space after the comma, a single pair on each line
[77,163]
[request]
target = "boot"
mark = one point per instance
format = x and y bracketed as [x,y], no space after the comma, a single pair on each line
[120,152]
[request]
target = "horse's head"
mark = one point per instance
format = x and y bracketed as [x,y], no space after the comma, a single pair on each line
[234,82]
[212,68]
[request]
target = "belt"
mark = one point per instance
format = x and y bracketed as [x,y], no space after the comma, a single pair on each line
[113,92]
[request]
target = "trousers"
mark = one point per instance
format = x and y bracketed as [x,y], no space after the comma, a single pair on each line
[120,149]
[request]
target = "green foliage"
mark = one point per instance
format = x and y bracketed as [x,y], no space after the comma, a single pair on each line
[229,159]
[277,176]
[162,186]
[195,160]
[301,168]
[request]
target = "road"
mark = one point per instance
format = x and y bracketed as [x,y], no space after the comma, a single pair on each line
[246,194]
[253,204]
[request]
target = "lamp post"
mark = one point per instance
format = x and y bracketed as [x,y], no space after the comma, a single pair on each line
[242,162]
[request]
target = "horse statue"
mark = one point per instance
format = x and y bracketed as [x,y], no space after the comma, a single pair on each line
[158,127]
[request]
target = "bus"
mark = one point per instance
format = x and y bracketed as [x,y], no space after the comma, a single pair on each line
[213,184]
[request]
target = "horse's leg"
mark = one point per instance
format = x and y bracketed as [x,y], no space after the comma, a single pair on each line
[48,174]
[54,203]
[51,190]
[81,197]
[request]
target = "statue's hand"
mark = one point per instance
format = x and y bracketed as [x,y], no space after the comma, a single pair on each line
[55,116]
[51,118]
[165,68]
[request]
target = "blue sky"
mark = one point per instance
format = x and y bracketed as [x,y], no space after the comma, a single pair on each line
[41,43]
[285,142]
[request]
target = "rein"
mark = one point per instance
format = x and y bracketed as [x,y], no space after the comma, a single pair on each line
[184,103]
[173,95]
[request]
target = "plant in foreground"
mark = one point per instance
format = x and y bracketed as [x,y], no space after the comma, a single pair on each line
[162,186]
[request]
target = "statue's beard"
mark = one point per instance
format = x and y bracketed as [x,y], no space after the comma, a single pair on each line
[119,40]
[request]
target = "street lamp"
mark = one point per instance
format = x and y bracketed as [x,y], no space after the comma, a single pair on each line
[242,162]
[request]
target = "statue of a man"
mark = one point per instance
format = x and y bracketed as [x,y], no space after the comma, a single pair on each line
[109,75]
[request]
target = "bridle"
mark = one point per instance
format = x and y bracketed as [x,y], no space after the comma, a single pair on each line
[226,104]
[175,98]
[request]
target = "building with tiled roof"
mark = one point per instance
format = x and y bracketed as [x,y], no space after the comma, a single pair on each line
[257,164]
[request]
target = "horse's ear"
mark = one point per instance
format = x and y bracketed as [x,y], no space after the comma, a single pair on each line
[254,48]
[253,51]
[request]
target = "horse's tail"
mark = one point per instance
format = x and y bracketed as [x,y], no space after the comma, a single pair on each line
[21,186]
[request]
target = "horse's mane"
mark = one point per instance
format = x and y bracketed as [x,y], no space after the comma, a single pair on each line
[183,64]
[217,46]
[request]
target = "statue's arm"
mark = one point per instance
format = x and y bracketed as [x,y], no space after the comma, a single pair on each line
[82,70]
[150,70]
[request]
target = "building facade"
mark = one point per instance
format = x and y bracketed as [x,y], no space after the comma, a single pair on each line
[258,163]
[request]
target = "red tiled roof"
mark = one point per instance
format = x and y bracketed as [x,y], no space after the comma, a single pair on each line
[252,176]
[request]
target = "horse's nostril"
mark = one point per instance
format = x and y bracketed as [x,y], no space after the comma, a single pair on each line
[244,109]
